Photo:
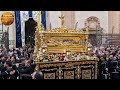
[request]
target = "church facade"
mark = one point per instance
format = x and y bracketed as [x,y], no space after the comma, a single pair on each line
[109,21]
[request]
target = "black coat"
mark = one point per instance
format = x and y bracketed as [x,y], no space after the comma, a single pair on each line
[6,73]
[103,70]
[26,70]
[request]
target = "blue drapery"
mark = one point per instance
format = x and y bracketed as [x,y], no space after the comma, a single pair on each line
[43,18]
[30,13]
[18,29]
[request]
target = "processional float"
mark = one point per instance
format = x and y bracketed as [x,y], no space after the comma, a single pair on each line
[66,41]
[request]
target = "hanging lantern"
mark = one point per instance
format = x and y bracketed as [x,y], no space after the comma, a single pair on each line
[7,18]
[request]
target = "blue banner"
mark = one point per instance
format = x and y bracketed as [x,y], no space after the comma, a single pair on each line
[30,13]
[18,29]
[43,18]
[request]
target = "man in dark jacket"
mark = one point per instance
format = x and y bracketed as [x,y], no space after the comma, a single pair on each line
[114,69]
[103,69]
[27,69]
[5,74]
[34,75]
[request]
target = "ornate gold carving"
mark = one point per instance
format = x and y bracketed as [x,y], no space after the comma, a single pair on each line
[61,38]
[78,72]
[62,66]
[37,39]
[49,75]
[60,73]
[68,74]
[69,64]
[86,74]
[37,67]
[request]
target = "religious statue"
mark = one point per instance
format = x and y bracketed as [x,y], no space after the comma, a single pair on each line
[62,20]
[63,28]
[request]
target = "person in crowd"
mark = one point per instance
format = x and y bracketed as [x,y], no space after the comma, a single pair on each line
[108,63]
[37,75]
[26,69]
[103,69]
[13,60]
[7,68]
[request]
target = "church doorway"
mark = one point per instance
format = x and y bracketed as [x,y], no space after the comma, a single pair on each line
[30,27]
[95,30]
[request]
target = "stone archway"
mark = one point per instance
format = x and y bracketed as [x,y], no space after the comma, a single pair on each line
[95,30]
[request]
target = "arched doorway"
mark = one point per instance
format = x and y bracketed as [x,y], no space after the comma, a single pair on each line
[30,27]
[95,30]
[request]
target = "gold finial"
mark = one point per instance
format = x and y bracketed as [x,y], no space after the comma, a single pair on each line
[62,17]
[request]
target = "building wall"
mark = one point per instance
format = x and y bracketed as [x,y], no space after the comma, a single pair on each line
[114,21]
[108,19]
[81,16]
[12,30]
[72,17]
[69,19]
[54,19]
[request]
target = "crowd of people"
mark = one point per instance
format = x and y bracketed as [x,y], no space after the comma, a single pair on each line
[109,62]
[18,63]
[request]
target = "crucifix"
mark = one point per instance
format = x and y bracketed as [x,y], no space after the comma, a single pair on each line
[62,17]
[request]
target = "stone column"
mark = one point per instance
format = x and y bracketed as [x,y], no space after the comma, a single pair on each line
[113,22]
[119,22]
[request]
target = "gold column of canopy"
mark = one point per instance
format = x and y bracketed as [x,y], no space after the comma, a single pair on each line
[37,33]
[38,39]
[39,23]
